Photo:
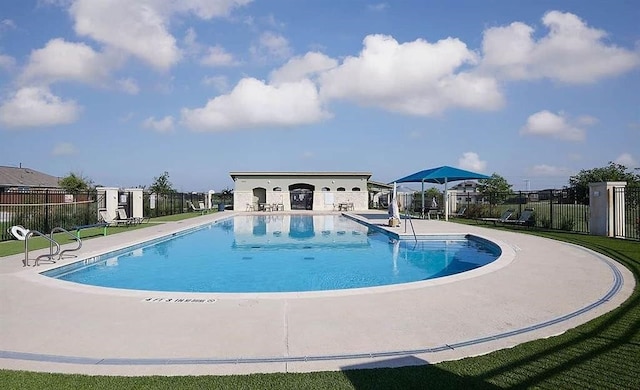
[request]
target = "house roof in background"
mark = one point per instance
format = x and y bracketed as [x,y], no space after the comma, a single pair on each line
[376,185]
[26,177]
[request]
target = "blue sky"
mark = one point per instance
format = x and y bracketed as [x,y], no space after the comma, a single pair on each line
[121,91]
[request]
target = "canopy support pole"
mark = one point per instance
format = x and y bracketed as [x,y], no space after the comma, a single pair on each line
[422,209]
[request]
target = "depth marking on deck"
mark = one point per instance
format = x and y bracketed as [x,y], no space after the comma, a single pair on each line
[179,300]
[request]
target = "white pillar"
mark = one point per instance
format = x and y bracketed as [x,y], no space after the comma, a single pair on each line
[606,208]
[137,209]
[452,195]
[110,200]
[207,202]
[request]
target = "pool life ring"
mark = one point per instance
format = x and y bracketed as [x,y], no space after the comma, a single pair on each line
[19,232]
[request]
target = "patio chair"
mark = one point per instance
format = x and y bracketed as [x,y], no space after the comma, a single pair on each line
[526,218]
[503,217]
[122,216]
[460,212]
[106,218]
[203,207]
[201,210]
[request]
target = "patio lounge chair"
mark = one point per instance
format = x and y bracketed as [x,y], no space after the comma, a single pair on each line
[122,216]
[201,210]
[526,218]
[460,212]
[503,218]
[106,218]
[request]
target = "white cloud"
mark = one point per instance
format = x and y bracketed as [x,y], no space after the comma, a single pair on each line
[471,161]
[587,120]
[378,7]
[571,52]
[140,27]
[7,24]
[129,86]
[33,106]
[161,125]
[300,68]
[218,82]
[548,124]
[252,103]
[135,27]
[7,62]
[192,47]
[213,55]
[418,78]
[627,160]
[62,60]
[56,3]
[271,46]
[63,149]
[208,9]
[548,170]
[218,56]
[559,126]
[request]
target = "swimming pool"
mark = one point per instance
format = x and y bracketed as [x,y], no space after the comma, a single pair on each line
[279,253]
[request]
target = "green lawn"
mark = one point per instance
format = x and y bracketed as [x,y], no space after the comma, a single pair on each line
[602,354]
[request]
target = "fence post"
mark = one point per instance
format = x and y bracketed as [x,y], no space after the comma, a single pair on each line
[551,209]
[606,209]
[47,228]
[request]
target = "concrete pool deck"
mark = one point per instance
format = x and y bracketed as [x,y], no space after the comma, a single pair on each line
[538,289]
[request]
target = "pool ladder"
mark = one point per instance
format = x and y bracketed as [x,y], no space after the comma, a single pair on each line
[408,217]
[51,256]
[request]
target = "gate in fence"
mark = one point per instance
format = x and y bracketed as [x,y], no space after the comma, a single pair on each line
[626,217]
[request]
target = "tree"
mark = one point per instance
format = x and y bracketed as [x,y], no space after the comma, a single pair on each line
[161,185]
[613,172]
[431,193]
[496,188]
[226,195]
[75,183]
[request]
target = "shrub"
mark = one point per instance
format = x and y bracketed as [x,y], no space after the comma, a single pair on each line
[566,223]
[476,211]
[545,222]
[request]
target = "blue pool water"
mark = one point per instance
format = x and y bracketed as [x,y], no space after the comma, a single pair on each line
[279,253]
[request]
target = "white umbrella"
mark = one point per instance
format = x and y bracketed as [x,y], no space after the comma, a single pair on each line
[394,211]
[434,203]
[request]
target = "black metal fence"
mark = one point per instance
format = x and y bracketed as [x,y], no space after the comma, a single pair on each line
[561,209]
[158,205]
[45,209]
[627,223]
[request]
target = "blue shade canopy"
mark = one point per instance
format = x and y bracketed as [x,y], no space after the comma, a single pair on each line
[441,175]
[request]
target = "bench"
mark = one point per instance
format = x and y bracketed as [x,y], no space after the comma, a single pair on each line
[99,224]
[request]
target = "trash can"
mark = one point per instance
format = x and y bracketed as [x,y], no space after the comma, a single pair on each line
[220,206]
